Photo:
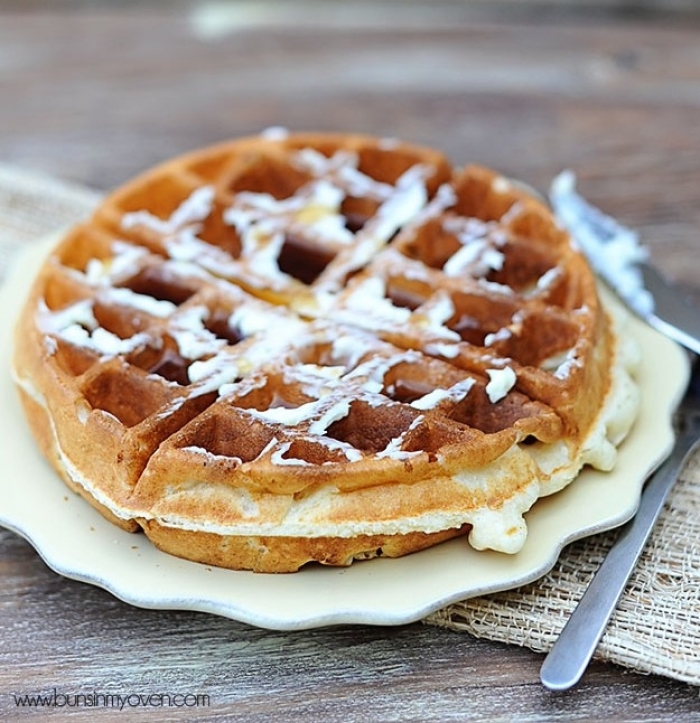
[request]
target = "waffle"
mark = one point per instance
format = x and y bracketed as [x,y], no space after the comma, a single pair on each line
[292,348]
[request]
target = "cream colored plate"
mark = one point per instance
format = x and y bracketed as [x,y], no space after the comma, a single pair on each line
[76,542]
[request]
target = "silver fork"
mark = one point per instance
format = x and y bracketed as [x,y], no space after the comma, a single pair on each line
[617,256]
[615,253]
[569,657]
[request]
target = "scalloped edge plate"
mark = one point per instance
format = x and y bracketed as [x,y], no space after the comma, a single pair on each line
[76,542]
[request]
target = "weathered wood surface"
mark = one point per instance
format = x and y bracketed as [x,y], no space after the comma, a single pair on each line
[95,95]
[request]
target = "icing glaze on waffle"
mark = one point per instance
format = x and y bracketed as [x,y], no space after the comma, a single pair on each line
[297,348]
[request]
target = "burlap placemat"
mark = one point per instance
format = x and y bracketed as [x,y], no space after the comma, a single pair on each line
[656,628]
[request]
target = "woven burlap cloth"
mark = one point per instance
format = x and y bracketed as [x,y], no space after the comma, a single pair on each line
[656,628]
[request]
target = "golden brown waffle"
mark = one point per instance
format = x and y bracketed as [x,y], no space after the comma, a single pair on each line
[295,348]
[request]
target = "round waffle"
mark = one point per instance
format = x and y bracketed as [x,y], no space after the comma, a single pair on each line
[309,347]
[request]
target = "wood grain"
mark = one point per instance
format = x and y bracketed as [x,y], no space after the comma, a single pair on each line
[95,95]
[76,638]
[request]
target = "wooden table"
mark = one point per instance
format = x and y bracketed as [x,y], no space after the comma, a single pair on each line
[94,95]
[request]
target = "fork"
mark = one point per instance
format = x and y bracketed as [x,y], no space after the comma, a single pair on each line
[568,658]
[617,256]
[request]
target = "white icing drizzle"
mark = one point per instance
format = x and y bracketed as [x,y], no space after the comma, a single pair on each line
[251,319]
[405,206]
[76,324]
[277,457]
[261,247]
[495,288]
[193,339]
[448,351]
[191,212]
[547,280]
[342,169]
[570,360]
[349,349]
[186,247]
[202,452]
[315,208]
[515,328]
[370,307]
[456,393]
[371,373]
[294,416]
[216,372]
[288,416]
[477,258]
[126,297]
[402,206]
[501,335]
[435,312]
[268,333]
[439,309]
[501,382]
[352,454]
[102,341]
[337,412]
[78,314]
[477,254]
[393,448]
[121,265]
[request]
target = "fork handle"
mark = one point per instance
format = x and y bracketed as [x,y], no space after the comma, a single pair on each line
[568,658]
